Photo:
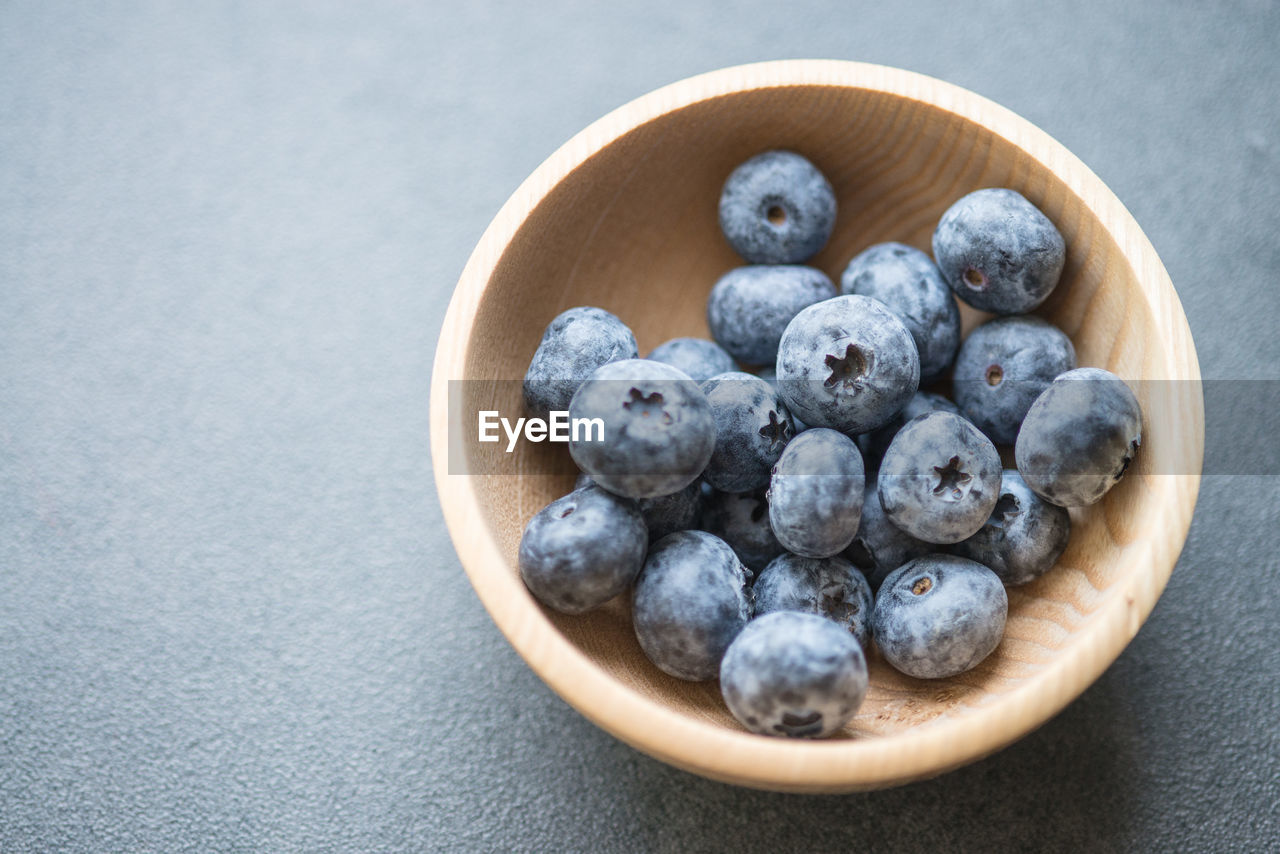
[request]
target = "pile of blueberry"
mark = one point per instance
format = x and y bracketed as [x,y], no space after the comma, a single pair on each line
[773,525]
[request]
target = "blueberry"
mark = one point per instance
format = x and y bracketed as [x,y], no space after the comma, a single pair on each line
[1079,437]
[1003,366]
[666,514]
[1024,537]
[742,521]
[658,428]
[998,252]
[770,375]
[874,444]
[749,307]
[574,344]
[581,550]
[940,478]
[679,511]
[699,358]
[777,208]
[691,600]
[793,674]
[752,428]
[908,282]
[880,546]
[829,587]
[815,494]
[847,363]
[938,616]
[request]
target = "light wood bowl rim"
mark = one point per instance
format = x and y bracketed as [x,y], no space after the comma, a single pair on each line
[779,764]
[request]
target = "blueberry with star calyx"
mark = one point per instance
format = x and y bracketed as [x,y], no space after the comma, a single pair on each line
[847,363]
[940,478]
[874,444]
[658,429]
[752,428]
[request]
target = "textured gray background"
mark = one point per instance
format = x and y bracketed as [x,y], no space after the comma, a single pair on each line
[230,616]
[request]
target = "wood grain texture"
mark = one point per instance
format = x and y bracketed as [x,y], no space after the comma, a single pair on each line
[623,216]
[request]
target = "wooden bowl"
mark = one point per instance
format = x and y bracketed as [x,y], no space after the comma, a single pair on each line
[623,216]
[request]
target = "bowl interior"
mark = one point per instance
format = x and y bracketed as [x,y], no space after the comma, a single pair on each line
[633,229]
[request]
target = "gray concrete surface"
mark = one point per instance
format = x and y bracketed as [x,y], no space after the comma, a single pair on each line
[230,616]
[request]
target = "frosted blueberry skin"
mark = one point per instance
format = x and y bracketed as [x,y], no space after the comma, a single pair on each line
[874,444]
[909,283]
[679,511]
[1079,437]
[699,358]
[940,478]
[1001,369]
[795,675]
[815,494]
[582,550]
[691,600]
[770,375]
[880,546]
[998,252]
[742,521]
[752,428]
[666,514]
[847,363]
[829,587]
[777,208]
[658,428]
[574,344]
[749,307]
[1024,537]
[939,616]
